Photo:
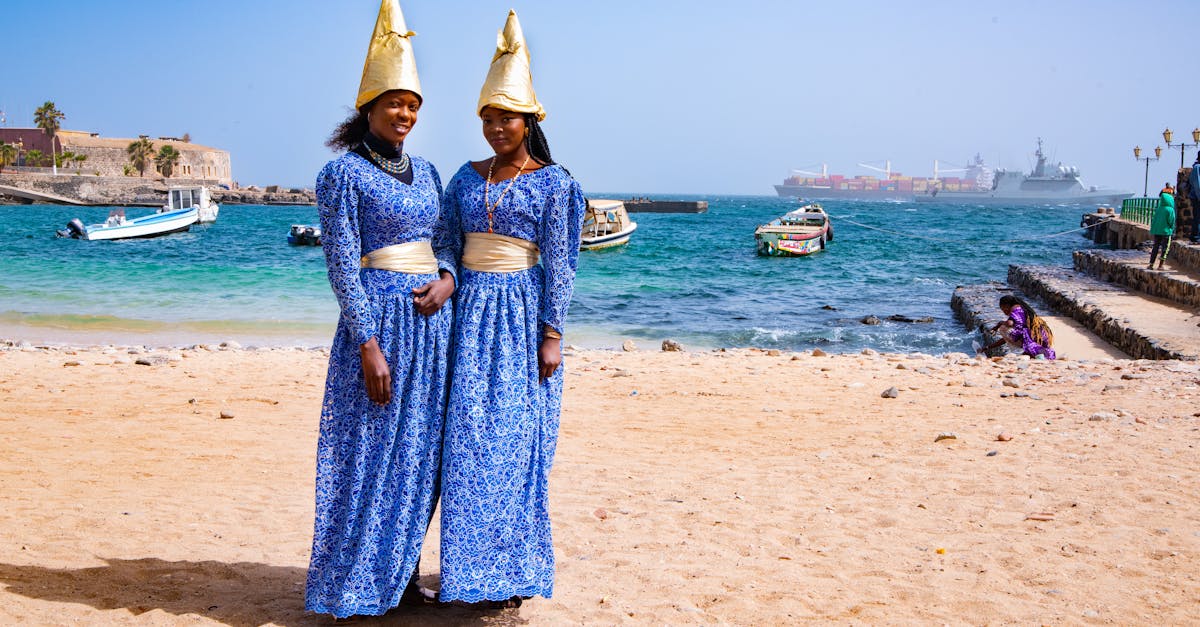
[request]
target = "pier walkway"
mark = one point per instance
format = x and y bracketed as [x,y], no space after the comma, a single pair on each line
[18,192]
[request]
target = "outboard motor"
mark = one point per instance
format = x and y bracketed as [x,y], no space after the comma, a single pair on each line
[74,229]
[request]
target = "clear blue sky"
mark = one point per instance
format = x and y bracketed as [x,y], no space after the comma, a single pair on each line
[643,96]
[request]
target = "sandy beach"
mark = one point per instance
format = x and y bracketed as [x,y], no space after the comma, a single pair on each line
[722,487]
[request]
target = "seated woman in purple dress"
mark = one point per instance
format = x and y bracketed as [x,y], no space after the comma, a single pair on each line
[1024,329]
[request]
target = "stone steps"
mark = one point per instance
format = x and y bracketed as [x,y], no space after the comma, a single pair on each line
[1176,283]
[1141,325]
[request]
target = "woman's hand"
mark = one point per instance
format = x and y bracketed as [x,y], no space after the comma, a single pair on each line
[430,297]
[549,357]
[376,374]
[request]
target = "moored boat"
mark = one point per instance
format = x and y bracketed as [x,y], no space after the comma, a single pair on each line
[304,235]
[803,231]
[117,226]
[606,224]
[195,196]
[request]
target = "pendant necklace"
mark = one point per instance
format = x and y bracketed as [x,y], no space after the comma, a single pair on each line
[491,208]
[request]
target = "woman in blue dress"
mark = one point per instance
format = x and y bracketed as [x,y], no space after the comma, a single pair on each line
[378,453]
[511,211]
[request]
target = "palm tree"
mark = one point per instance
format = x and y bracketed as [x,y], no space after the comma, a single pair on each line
[78,159]
[140,151]
[33,158]
[8,155]
[167,158]
[63,158]
[46,117]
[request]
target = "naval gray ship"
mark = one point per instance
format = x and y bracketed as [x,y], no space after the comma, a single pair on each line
[1045,185]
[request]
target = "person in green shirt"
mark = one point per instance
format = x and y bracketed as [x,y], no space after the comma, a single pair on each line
[1162,226]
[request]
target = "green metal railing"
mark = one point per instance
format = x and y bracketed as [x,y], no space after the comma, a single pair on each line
[1139,210]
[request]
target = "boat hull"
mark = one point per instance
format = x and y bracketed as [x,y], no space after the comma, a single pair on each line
[992,199]
[789,245]
[153,225]
[611,240]
[814,192]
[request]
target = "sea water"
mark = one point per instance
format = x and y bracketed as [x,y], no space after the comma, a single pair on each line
[694,278]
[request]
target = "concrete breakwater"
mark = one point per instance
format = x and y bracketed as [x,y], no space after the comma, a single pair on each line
[84,189]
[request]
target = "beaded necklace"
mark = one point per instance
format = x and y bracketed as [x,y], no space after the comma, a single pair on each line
[491,208]
[395,167]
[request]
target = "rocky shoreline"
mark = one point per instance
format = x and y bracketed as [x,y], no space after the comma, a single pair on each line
[88,190]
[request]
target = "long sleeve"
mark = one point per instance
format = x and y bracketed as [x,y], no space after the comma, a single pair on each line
[558,240]
[447,233]
[337,202]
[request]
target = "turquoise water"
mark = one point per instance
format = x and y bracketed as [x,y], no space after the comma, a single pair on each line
[694,278]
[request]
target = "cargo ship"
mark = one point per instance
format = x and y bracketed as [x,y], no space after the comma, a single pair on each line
[978,184]
[894,186]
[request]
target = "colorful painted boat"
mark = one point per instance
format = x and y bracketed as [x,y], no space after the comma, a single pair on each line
[797,233]
[606,224]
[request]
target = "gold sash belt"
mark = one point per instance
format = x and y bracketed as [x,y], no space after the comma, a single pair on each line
[409,258]
[491,252]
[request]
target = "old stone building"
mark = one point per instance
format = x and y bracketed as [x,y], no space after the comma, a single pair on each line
[107,156]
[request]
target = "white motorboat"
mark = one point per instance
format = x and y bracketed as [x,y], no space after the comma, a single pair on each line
[606,224]
[195,196]
[117,226]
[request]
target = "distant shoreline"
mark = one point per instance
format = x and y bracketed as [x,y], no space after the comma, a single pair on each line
[82,189]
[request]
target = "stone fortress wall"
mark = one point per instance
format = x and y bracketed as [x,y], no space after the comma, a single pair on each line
[108,156]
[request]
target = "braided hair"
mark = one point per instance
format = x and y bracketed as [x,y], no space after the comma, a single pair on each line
[536,144]
[1038,329]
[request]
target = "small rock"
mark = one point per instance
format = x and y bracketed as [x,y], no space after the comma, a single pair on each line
[868,351]
[871,320]
[628,346]
[226,415]
[829,308]
[774,352]
[1129,376]
[1012,383]
[151,360]
[1140,421]
[1112,388]
[70,363]
[891,392]
[816,352]
[671,346]
[945,435]
[1102,416]
[600,513]
[993,453]
[231,345]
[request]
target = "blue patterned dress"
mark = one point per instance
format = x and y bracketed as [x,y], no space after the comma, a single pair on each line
[377,466]
[502,422]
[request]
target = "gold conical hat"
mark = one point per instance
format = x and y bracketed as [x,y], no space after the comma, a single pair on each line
[390,63]
[509,83]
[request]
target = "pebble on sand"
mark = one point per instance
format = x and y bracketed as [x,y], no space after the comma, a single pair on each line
[945,435]
[226,415]
[816,352]
[671,346]
[891,392]
[628,346]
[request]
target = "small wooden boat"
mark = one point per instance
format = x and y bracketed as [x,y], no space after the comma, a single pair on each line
[304,235]
[117,226]
[195,196]
[797,233]
[606,224]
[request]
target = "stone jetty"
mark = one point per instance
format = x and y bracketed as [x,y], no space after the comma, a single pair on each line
[1148,314]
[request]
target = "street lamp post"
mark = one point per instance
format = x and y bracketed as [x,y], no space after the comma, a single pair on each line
[1137,154]
[1167,134]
